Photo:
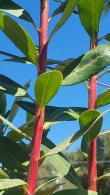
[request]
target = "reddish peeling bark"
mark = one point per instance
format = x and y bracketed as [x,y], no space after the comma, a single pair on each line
[92,162]
[39,113]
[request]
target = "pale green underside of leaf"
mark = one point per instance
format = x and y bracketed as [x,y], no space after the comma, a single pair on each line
[14,9]
[92,63]
[61,164]
[10,183]
[18,35]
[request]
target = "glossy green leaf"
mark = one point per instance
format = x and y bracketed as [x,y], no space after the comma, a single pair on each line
[11,87]
[90,125]
[11,183]
[90,12]
[12,8]
[71,4]
[47,86]
[75,192]
[61,164]
[3,175]
[92,63]
[18,35]
[87,118]
[103,99]
[11,154]
[54,113]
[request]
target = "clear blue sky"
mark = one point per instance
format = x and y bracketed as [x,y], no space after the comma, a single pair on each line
[69,42]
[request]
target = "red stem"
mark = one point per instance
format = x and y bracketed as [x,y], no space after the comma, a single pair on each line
[35,154]
[39,113]
[92,162]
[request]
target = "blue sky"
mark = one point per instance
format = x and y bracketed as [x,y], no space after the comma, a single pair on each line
[69,42]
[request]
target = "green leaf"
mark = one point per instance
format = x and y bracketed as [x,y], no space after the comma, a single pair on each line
[15,107]
[52,116]
[100,148]
[18,131]
[87,118]
[10,183]
[92,63]
[3,175]
[68,66]
[18,35]
[103,176]
[75,192]
[25,131]
[90,124]
[60,163]
[15,190]
[54,113]
[23,60]
[71,4]
[11,7]
[49,190]
[52,61]
[106,37]
[14,58]
[103,99]
[2,103]
[47,86]
[11,154]
[72,114]
[11,87]
[90,12]
[59,10]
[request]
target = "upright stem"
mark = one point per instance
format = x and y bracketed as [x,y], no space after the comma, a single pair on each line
[92,161]
[39,113]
